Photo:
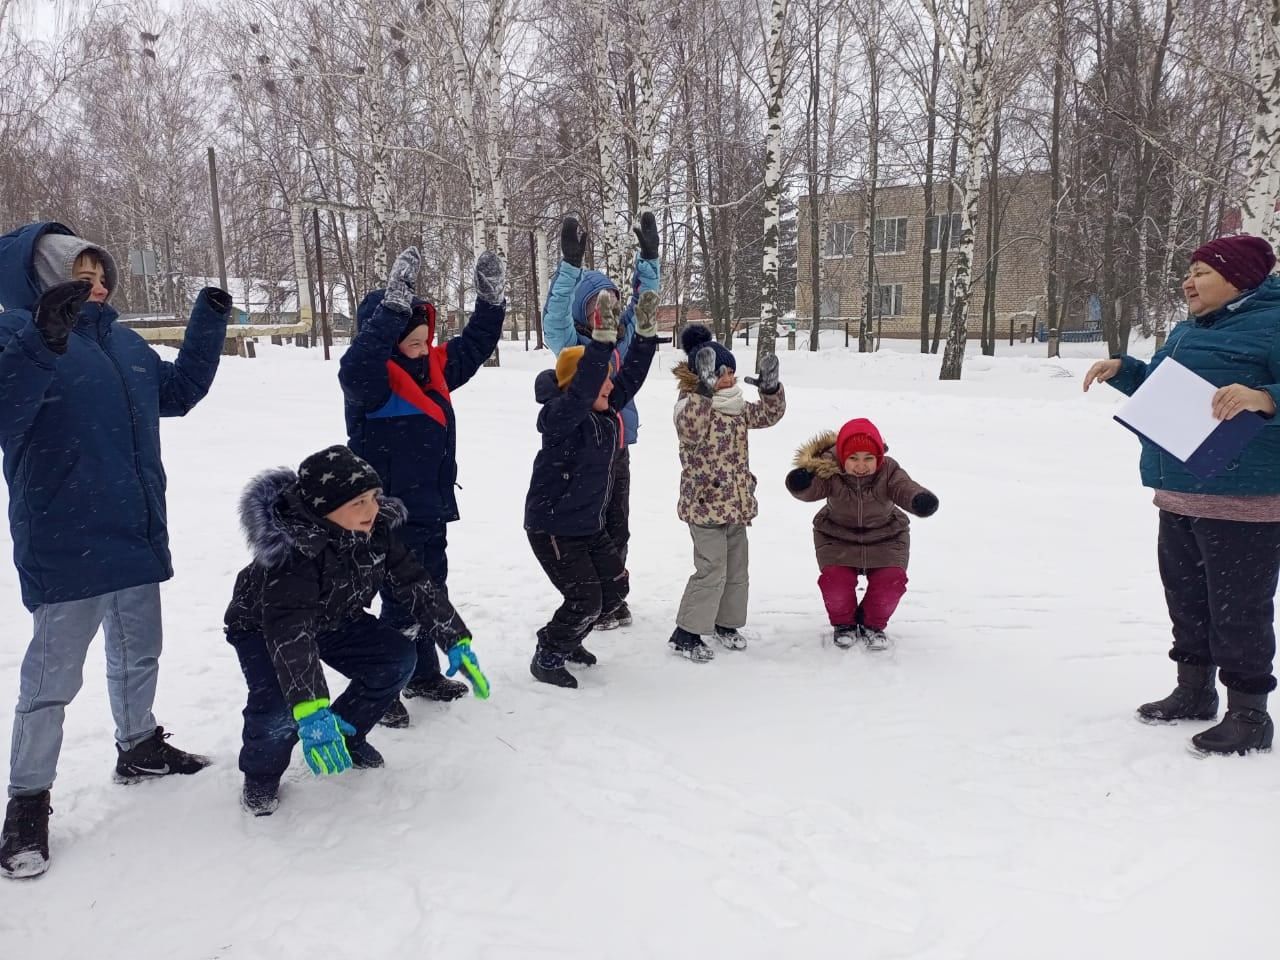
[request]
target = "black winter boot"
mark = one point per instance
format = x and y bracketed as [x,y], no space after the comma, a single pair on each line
[1194,698]
[24,841]
[548,666]
[1246,727]
[582,656]
[438,688]
[619,616]
[260,796]
[397,715]
[153,758]
[363,754]
[690,646]
[844,635]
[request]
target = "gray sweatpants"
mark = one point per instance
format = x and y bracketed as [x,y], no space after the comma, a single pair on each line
[53,669]
[716,594]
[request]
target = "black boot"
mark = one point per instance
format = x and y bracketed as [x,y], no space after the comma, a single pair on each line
[619,616]
[548,667]
[439,688]
[363,754]
[1194,698]
[1246,727]
[24,841]
[397,715]
[153,757]
[260,796]
[690,646]
[582,656]
[844,635]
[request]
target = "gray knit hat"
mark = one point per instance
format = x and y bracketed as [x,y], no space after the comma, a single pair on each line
[55,258]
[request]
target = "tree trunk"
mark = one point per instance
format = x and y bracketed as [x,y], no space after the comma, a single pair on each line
[768,331]
[1263,177]
[931,141]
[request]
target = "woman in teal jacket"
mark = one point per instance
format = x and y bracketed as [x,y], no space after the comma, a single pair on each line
[1219,540]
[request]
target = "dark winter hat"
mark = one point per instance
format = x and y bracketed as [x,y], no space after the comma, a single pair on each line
[696,336]
[332,477]
[1244,261]
[423,314]
[860,436]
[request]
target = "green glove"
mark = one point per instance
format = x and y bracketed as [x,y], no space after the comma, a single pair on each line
[462,657]
[324,737]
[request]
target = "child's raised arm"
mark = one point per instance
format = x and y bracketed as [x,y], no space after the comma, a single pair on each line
[909,495]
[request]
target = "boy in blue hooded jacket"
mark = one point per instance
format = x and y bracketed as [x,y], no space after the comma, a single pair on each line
[81,399]
[572,300]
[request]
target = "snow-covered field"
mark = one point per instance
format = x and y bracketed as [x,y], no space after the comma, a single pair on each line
[981,791]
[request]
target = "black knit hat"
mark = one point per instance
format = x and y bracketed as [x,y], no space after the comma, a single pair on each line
[332,477]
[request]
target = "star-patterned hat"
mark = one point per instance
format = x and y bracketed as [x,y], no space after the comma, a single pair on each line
[332,477]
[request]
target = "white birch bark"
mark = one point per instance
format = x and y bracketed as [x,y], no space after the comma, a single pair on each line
[609,137]
[1263,177]
[646,107]
[491,80]
[768,332]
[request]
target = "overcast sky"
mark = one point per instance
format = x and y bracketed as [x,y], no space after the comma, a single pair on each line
[41,17]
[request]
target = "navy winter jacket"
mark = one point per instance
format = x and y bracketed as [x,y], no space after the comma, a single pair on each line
[81,437]
[1238,343]
[399,413]
[573,471]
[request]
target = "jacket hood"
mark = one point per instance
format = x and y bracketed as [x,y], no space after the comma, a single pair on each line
[373,300]
[1266,296]
[545,386]
[818,455]
[275,522]
[686,379]
[20,287]
[589,284]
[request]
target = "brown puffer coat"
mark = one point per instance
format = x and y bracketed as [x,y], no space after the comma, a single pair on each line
[716,482]
[862,524]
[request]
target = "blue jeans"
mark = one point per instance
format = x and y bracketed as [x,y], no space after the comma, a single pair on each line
[429,546]
[376,658]
[53,671]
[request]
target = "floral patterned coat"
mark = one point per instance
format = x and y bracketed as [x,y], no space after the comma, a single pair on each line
[716,482]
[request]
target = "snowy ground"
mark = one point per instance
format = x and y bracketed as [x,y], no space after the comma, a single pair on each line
[982,791]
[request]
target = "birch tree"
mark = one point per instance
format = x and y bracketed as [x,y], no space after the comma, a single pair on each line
[776,73]
[1263,174]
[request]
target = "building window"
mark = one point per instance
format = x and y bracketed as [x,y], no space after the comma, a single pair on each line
[891,235]
[934,288]
[889,300]
[840,234]
[950,227]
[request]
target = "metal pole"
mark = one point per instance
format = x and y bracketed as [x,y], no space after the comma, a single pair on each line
[325,334]
[217,220]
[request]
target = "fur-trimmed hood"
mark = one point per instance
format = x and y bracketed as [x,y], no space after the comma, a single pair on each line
[275,522]
[686,379]
[818,456]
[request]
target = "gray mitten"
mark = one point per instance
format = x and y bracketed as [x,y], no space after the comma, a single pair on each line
[704,365]
[647,315]
[604,328]
[491,278]
[404,272]
[767,382]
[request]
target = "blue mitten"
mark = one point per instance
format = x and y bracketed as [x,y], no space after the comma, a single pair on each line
[323,734]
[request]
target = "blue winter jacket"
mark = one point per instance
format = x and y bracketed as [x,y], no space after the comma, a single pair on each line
[399,423]
[564,322]
[1238,343]
[573,472]
[81,437]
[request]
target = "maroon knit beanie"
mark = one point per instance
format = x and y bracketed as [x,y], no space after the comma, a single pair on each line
[1243,261]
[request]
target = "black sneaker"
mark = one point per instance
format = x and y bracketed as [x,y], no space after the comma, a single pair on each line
[397,715]
[1246,728]
[582,656]
[24,841]
[363,754]
[619,616]
[438,688]
[845,635]
[548,667]
[690,646]
[260,796]
[154,758]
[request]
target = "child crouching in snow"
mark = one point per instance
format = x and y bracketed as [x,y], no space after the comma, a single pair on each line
[717,488]
[861,529]
[565,509]
[324,544]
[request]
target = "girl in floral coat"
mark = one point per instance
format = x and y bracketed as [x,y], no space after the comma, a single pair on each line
[717,487]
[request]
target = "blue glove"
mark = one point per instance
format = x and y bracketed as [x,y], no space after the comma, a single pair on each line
[462,657]
[323,734]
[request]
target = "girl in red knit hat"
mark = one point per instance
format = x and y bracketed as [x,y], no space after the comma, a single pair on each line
[862,530]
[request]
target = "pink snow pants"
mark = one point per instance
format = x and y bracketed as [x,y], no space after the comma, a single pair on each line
[885,587]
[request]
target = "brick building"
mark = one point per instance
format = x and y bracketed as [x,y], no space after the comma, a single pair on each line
[900,231]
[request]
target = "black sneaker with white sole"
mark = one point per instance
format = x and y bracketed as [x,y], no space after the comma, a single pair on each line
[690,646]
[153,757]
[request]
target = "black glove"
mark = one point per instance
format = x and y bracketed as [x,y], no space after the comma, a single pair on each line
[767,382]
[573,242]
[56,312]
[704,365]
[799,479]
[218,298]
[924,504]
[491,278]
[647,235]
